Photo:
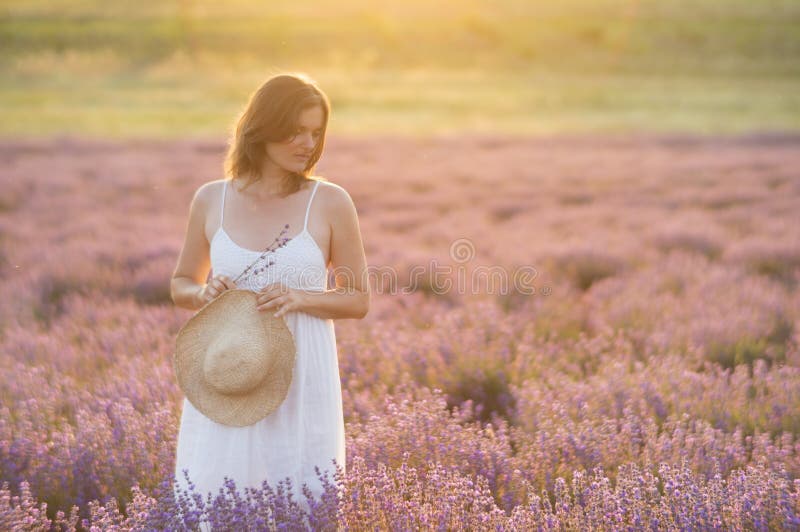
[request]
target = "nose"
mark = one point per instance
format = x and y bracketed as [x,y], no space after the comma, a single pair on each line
[306,140]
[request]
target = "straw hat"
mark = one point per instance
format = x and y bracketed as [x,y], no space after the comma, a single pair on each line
[234,362]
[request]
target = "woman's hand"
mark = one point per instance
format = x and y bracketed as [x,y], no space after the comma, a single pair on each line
[280,297]
[214,287]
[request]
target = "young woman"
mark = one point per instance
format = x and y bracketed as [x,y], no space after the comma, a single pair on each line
[277,142]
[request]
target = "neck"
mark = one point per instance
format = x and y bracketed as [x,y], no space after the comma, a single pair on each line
[273,182]
[269,187]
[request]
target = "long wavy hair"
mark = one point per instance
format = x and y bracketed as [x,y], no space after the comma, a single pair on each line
[271,115]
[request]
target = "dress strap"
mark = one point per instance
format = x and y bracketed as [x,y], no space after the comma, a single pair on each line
[308,209]
[222,209]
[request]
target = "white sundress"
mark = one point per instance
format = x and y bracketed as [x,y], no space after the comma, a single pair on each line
[307,429]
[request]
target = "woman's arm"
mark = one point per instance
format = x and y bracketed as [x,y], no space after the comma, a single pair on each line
[351,297]
[194,262]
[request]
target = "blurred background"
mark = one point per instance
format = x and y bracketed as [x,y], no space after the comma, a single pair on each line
[178,68]
[643,157]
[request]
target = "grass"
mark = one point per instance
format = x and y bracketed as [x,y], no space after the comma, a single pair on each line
[175,69]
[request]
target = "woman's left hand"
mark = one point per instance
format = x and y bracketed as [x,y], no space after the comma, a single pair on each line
[280,297]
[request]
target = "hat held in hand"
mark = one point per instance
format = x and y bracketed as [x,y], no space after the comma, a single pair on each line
[233,362]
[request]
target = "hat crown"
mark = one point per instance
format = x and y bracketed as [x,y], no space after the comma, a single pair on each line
[233,361]
[233,366]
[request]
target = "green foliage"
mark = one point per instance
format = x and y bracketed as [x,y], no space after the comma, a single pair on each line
[184,68]
[744,351]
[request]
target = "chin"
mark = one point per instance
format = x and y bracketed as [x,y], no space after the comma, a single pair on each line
[298,168]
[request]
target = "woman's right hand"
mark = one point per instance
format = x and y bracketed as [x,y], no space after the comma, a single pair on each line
[214,287]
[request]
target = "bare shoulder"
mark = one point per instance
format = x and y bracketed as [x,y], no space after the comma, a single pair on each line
[335,198]
[211,189]
[205,198]
[207,194]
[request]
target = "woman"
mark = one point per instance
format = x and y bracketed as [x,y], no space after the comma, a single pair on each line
[269,187]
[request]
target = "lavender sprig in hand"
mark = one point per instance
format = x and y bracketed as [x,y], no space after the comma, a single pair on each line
[280,243]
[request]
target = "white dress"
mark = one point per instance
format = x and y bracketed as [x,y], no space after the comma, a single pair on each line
[307,429]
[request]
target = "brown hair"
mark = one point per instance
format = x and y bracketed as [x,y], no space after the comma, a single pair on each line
[271,115]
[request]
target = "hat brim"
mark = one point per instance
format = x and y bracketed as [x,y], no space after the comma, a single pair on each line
[234,306]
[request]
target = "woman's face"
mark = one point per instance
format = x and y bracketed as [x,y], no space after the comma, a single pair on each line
[293,153]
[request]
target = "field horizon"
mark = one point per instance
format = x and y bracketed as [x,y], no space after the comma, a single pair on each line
[178,68]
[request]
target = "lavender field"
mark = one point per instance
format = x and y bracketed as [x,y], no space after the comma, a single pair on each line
[650,380]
